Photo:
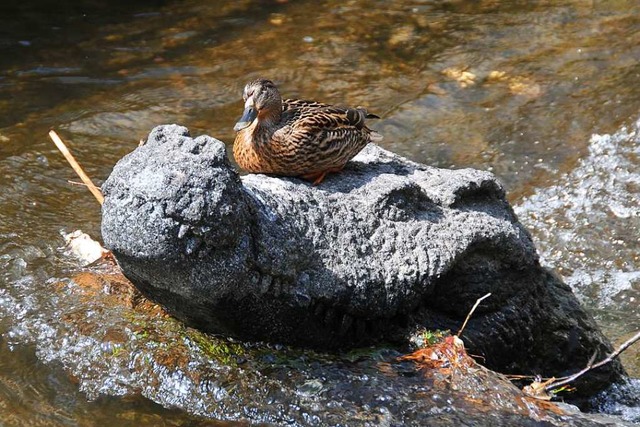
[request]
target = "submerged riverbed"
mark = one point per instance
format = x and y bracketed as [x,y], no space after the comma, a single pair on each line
[544,95]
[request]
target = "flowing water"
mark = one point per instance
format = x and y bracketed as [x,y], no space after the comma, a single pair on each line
[544,94]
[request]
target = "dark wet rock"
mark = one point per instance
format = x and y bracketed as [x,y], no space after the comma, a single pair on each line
[371,254]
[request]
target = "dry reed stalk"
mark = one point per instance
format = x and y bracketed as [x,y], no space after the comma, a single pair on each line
[76,167]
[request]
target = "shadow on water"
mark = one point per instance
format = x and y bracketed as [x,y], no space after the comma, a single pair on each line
[515,87]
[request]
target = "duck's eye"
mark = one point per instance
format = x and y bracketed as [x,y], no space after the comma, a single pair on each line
[250,94]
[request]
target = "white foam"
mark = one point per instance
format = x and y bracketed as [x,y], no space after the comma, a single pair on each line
[622,400]
[587,226]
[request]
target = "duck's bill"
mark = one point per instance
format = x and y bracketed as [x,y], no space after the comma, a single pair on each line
[248,116]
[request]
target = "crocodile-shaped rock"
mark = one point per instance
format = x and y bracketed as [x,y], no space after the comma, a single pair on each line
[372,253]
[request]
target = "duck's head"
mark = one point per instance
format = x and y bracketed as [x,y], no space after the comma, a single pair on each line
[262,101]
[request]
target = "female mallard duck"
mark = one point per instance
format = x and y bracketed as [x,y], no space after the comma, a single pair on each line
[297,138]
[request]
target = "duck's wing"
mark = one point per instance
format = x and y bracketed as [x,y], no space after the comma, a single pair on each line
[319,139]
[324,127]
[303,104]
[332,117]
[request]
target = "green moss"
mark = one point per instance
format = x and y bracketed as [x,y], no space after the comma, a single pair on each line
[117,350]
[221,350]
[428,337]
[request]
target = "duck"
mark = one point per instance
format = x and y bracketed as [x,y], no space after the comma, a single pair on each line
[297,138]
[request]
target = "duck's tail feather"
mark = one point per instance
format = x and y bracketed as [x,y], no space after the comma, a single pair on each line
[367,115]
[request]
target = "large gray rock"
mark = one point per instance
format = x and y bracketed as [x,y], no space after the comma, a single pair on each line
[371,254]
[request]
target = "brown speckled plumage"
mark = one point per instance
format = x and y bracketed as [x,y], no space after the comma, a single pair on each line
[295,137]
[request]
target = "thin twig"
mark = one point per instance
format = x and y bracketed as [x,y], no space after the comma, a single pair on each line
[76,167]
[478,301]
[625,345]
[512,377]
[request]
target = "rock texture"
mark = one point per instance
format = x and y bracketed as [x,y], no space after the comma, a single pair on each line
[373,253]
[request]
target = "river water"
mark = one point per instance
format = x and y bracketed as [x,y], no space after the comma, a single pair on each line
[543,94]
